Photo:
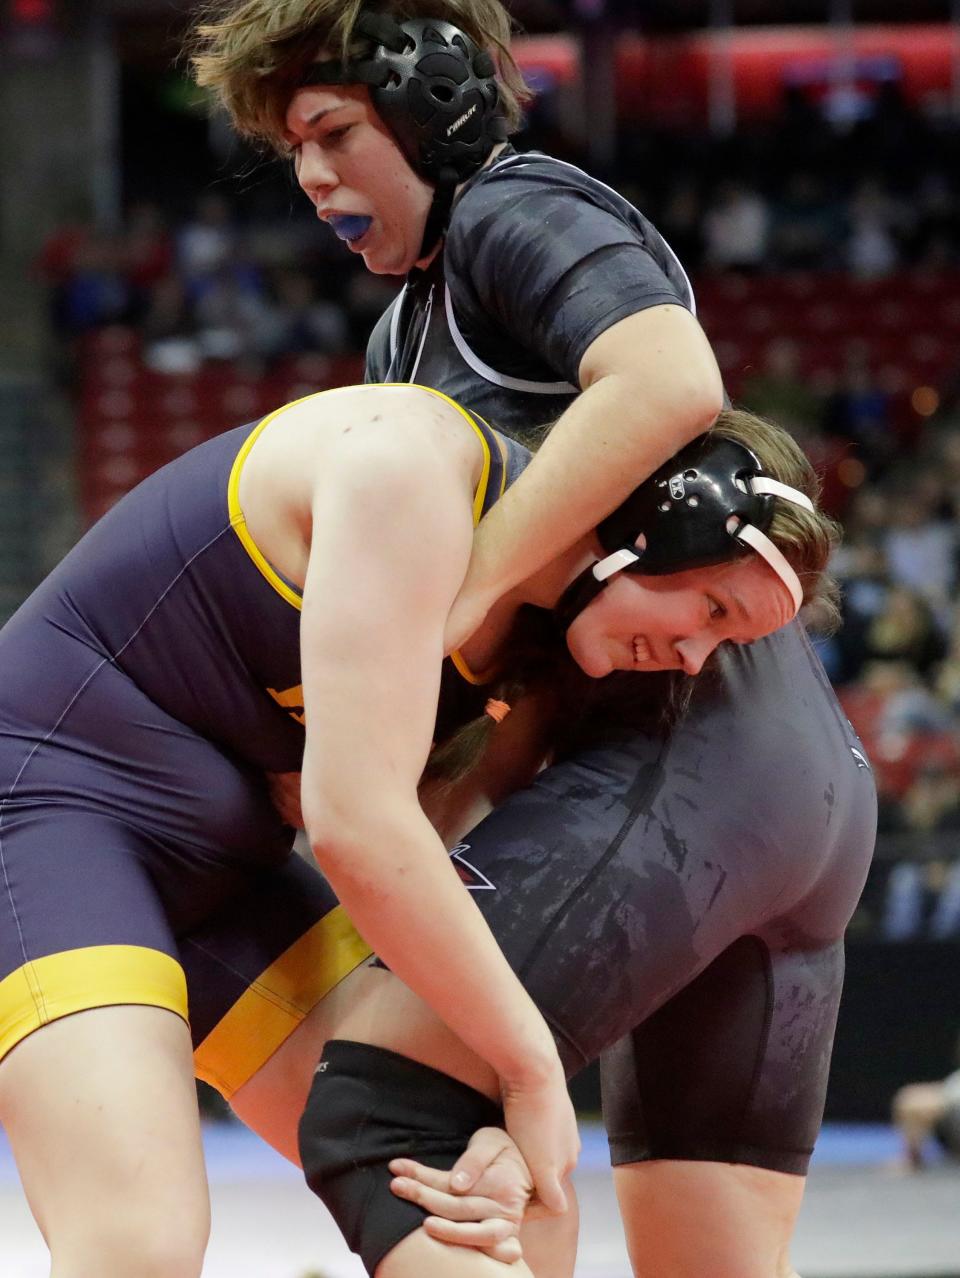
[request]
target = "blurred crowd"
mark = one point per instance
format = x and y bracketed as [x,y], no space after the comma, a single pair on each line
[210,287]
[873,201]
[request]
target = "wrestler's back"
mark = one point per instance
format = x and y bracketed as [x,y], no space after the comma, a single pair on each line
[171,589]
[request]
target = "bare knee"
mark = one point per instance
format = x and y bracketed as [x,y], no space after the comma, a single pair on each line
[686,1219]
[124,1245]
[918,1103]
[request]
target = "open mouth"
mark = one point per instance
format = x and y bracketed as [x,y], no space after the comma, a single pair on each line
[642,652]
[350,227]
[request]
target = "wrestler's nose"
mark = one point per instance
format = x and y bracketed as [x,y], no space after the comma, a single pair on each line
[694,651]
[315,172]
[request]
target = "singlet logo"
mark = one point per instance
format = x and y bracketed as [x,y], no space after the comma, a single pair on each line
[470,876]
[461,120]
[291,700]
[677,488]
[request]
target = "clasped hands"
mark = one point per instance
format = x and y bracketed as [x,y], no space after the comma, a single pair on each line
[481,1202]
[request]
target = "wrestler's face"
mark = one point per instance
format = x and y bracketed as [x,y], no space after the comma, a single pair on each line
[676,621]
[356,176]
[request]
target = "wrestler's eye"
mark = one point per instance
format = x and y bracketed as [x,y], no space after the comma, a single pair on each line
[336,136]
[716,608]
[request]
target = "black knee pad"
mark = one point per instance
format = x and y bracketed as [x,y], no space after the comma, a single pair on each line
[366,1107]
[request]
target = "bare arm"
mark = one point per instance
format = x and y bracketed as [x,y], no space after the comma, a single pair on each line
[391,539]
[650,384]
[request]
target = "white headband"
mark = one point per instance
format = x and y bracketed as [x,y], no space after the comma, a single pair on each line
[747,533]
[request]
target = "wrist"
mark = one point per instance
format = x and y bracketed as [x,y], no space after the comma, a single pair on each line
[538,1068]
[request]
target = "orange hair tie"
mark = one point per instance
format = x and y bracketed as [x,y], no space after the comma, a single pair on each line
[497,710]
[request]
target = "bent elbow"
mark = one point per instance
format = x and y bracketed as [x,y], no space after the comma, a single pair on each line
[702,397]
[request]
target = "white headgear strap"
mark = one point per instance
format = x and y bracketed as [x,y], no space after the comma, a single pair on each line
[613,563]
[747,533]
[761,543]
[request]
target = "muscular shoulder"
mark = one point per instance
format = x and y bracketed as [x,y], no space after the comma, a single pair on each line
[547,256]
[537,196]
[377,441]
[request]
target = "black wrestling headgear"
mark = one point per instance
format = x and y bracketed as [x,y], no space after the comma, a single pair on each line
[436,90]
[708,504]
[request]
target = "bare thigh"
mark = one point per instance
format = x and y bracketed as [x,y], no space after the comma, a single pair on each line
[420,1256]
[100,1109]
[369,1006]
[372,1006]
[687,1219]
[272,1100]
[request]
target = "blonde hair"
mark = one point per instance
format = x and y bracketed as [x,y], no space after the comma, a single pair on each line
[252,53]
[806,539]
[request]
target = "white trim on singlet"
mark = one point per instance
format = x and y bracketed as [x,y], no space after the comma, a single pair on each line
[469,357]
[395,333]
[490,374]
[423,335]
[395,324]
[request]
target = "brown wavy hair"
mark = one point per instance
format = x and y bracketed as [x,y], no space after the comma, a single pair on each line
[585,711]
[251,54]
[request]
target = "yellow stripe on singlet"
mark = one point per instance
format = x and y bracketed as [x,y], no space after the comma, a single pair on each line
[57,985]
[277,1002]
[457,656]
[238,521]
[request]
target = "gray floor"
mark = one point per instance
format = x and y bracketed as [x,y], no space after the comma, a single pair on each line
[857,1222]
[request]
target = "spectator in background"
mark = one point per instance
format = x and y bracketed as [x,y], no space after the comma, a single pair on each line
[947,458]
[736,229]
[807,226]
[170,338]
[904,630]
[681,218]
[780,392]
[95,291]
[56,261]
[925,1110]
[921,544]
[947,676]
[207,243]
[230,306]
[868,516]
[875,220]
[933,800]
[297,322]
[904,729]
[936,212]
[146,249]
[922,897]
[859,410]
[861,568]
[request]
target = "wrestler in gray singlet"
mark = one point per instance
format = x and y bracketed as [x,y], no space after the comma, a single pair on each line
[707,879]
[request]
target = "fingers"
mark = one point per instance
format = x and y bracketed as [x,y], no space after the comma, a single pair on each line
[486,1234]
[549,1190]
[486,1146]
[429,1176]
[453,1207]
